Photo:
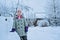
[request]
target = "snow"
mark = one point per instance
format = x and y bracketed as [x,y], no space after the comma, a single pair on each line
[44,33]
[5,28]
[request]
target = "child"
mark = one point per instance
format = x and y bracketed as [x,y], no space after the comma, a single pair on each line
[19,25]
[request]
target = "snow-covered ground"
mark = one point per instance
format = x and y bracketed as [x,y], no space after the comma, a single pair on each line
[44,33]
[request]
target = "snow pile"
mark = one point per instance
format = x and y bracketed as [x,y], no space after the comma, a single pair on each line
[42,23]
[5,27]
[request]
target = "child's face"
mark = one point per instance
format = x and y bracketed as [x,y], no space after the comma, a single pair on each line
[19,12]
